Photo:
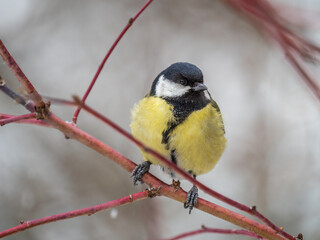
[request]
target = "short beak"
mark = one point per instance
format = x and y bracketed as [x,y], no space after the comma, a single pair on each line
[199,87]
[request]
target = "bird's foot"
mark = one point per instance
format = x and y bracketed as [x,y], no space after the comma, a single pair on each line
[192,198]
[139,171]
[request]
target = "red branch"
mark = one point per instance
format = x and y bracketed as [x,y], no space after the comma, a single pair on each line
[266,16]
[215,230]
[129,24]
[28,121]
[76,213]
[29,105]
[34,95]
[16,118]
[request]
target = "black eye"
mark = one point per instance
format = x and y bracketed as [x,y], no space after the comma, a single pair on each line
[183,82]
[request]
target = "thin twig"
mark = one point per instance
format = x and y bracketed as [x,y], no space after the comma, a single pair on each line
[129,24]
[9,60]
[215,230]
[29,105]
[265,15]
[27,121]
[17,118]
[76,213]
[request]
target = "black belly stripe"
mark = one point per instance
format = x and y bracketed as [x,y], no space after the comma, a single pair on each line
[166,133]
[173,157]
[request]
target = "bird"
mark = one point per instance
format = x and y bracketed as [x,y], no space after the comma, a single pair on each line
[179,119]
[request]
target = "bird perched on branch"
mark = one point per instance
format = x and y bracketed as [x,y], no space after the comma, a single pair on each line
[179,119]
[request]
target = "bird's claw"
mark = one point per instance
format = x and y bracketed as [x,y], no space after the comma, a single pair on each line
[192,199]
[139,171]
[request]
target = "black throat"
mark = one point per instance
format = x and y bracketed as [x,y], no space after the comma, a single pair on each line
[183,106]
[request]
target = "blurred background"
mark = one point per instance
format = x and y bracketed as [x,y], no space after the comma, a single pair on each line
[271,117]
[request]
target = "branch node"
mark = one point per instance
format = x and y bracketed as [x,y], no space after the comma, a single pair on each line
[42,111]
[77,100]
[131,198]
[2,82]
[175,184]
[21,221]
[254,209]
[130,21]
[300,236]
[153,192]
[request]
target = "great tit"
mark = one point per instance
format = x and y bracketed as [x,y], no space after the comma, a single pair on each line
[179,119]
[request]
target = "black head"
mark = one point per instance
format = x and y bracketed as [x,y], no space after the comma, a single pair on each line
[177,80]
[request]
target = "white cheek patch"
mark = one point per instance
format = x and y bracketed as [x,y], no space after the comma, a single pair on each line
[167,88]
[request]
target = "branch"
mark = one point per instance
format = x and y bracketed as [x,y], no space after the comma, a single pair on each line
[34,95]
[76,213]
[215,230]
[16,118]
[129,24]
[28,121]
[29,105]
[267,18]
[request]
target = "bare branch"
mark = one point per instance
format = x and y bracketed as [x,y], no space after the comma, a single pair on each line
[215,230]
[27,121]
[263,14]
[9,60]
[17,118]
[29,105]
[76,213]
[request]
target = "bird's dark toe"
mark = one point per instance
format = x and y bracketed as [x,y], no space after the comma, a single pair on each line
[139,171]
[192,199]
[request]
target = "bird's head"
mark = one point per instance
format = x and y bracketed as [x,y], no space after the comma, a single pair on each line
[178,80]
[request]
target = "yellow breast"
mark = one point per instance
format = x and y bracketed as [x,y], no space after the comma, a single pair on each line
[198,141]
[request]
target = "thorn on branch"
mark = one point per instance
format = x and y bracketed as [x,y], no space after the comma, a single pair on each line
[130,21]
[153,192]
[21,221]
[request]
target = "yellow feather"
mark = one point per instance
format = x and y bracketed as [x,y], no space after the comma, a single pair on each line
[199,140]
